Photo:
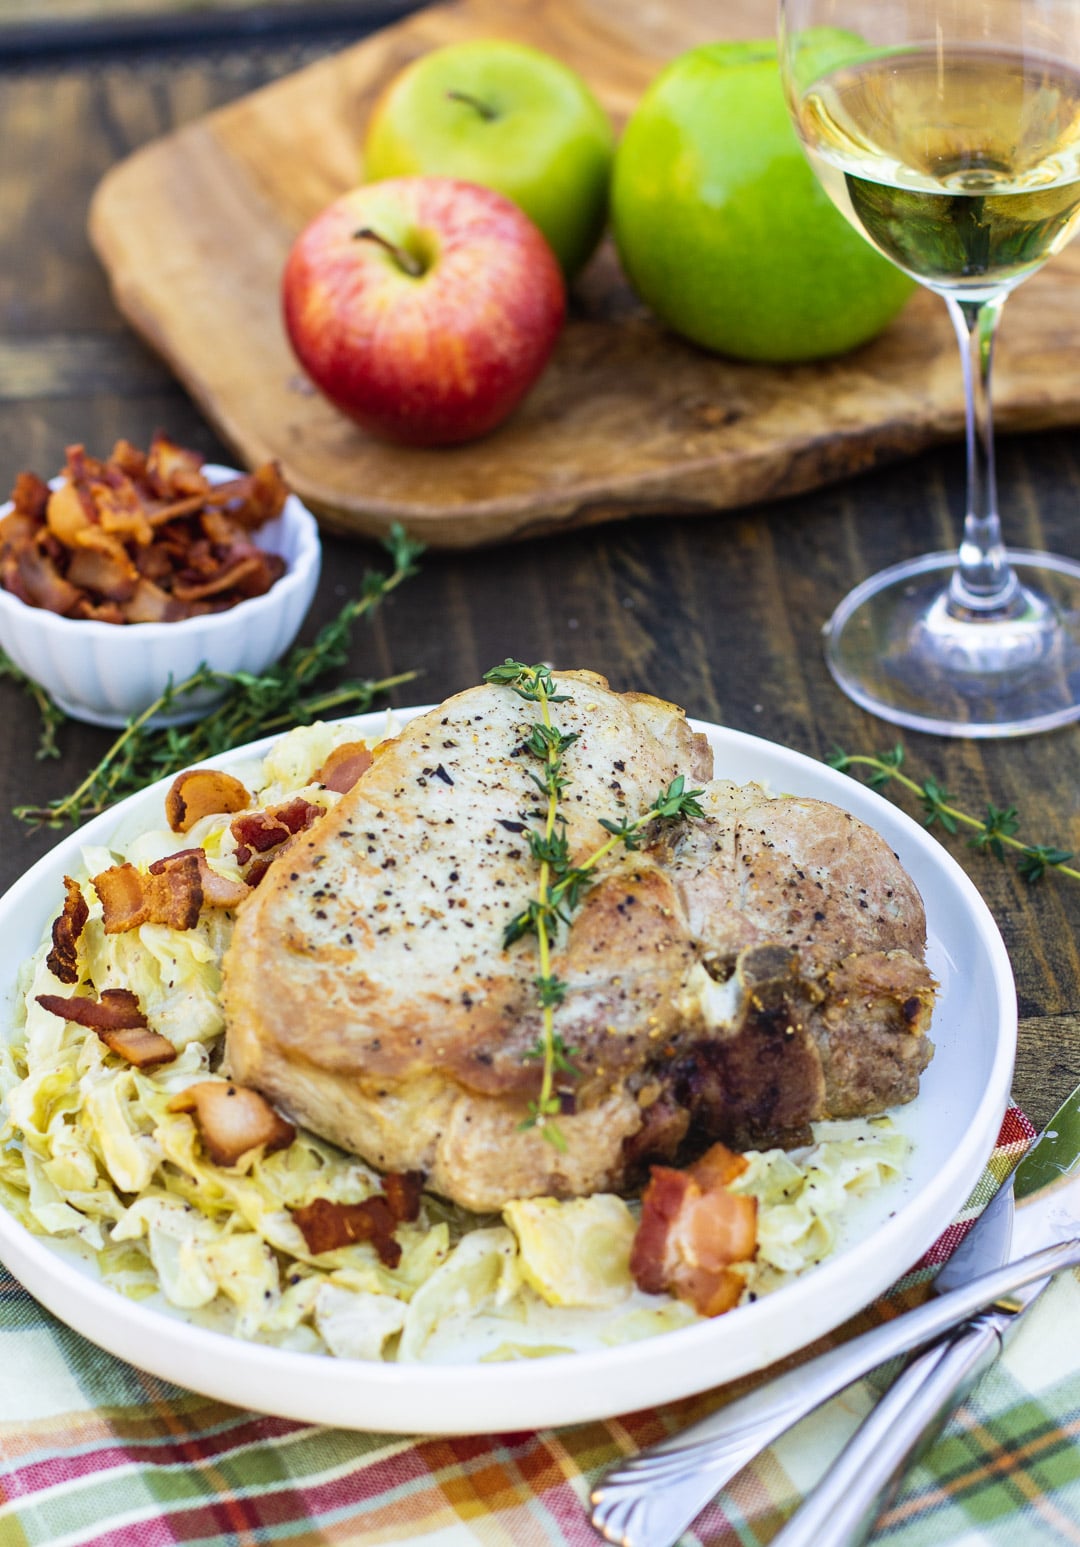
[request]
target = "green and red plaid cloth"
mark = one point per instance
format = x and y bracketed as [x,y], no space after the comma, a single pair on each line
[93,1453]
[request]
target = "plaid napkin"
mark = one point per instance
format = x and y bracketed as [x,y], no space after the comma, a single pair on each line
[96,1454]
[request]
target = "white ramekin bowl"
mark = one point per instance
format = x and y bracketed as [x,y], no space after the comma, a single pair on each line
[107,672]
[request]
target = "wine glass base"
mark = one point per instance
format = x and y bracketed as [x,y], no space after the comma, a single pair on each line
[895,647]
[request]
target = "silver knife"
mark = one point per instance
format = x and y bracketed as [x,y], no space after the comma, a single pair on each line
[842,1508]
[651,1499]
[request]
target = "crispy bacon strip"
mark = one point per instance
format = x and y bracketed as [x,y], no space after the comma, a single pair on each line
[327,1225]
[344,766]
[129,459]
[118,1021]
[116,1010]
[84,549]
[199,792]
[38,581]
[256,832]
[172,896]
[30,496]
[232,1119]
[63,960]
[252,572]
[68,513]
[217,891]
[171,510]
[692,1232]
[174,471]
[173,891]
[259,831]
[253,498]
[145,1049]
[402,1190]
[108,571]
[150,604]
[120,509]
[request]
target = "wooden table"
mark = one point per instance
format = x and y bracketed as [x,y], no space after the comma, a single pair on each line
[721,614]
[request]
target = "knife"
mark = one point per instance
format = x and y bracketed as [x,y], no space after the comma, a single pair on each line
[842,1508]
[650,1500]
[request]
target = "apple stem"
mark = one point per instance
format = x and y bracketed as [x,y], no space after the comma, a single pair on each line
[401,255]
[486,112]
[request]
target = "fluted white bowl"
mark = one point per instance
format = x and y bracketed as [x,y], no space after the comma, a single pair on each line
[107,672]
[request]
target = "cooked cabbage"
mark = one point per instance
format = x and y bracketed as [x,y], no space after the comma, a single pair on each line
[89,1148]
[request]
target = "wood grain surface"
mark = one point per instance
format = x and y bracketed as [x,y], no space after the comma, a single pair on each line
[719,613]
[194,231]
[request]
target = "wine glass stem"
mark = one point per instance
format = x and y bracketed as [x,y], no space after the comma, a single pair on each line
[984,581]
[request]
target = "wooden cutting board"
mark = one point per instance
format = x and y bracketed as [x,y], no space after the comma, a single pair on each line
[194,230]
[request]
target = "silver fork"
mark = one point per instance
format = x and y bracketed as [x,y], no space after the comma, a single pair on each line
[650,1500]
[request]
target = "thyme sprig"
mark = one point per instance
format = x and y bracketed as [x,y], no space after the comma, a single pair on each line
[996,831]
[52,716]
[560,883]
[253,705]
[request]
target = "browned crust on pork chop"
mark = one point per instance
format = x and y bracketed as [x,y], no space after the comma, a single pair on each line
[717,980]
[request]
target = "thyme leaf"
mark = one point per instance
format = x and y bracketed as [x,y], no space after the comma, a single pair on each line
[561,884]
[996,831]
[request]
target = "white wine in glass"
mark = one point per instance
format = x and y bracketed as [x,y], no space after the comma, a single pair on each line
[948,133]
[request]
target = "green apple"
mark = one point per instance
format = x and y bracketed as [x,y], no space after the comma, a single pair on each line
[511,118]
[722,227]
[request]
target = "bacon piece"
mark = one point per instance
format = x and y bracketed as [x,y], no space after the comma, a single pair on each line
[173,891]
[219,529]
[68,513]
[30,496]
[218,891]
[119,507]
[254,498]
[144,1049]
[63,960]
[129,459]
[259,831]
[108,612]
[118,1021]
[296,814]
[344,766]
[41,583]
[172,470]
[158,511]
[256,832]
[692,1232]
[84,549]
[172,896]
[232,1119]
[402,1191]
[116,1010]
[327,1225]
[18,529]
[108,571]
[252,573]
[199,792]
[148,603]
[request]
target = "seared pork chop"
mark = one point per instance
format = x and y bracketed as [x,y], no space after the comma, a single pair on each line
[738,976]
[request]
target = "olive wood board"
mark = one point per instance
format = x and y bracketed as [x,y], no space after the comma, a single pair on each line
[194,228]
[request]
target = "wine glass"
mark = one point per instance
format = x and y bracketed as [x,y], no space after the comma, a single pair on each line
[948,133]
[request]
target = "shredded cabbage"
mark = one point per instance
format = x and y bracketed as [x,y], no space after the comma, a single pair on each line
[90,1150]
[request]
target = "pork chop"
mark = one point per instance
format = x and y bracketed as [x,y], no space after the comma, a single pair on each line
[741,974]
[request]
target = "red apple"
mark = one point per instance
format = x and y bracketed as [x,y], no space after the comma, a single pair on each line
[423,307]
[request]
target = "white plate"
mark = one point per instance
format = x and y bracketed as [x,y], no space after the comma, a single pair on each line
[952,1125]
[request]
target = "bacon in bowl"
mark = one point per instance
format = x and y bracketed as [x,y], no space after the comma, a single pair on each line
[139,537]
[214,567]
